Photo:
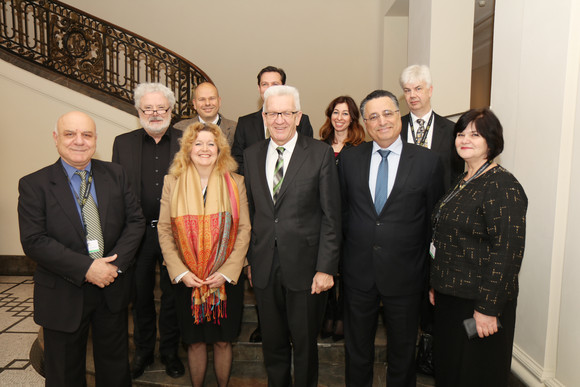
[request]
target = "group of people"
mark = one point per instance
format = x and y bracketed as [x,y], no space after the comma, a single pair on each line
[331,233]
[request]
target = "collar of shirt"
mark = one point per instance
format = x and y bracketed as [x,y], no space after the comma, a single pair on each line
[167,134]
[272,157]
[394,157]
[215,122]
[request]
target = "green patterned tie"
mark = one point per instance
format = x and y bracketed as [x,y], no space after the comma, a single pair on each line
[91,218]
[278,173]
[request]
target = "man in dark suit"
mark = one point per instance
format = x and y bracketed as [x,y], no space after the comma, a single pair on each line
[389,189]
[84,272]
[251,128]
[422,126]
[294,201]
[207,102]
[146,155]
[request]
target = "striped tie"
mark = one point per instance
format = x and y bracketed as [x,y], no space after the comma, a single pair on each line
[278,173]
[91,218]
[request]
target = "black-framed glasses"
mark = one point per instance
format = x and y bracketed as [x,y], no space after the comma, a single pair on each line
[159,111]
[388,114]
[274,115]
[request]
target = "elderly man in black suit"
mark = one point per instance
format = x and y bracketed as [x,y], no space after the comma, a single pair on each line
[146,155]
[294,201]
[422,126]
[81,223]
[389,189]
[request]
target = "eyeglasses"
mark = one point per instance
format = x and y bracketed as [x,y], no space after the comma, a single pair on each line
[274,115]
[387,114]
[160,111]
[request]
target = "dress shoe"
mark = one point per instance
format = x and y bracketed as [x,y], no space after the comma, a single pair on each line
[139,364]
[256,336]
[173,365]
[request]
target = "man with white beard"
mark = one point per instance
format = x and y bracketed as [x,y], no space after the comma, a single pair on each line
[146,155]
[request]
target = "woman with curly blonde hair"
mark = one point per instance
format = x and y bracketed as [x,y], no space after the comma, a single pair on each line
[204,232]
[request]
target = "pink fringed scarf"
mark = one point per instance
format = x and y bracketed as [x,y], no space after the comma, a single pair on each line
[205,234]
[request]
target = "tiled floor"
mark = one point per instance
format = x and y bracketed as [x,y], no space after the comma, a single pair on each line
[17,332]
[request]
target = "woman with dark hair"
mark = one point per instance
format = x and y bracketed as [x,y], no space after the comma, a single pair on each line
[477,250]
[341,130]
[204,233]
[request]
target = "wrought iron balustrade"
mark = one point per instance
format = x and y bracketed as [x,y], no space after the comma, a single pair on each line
[98,54]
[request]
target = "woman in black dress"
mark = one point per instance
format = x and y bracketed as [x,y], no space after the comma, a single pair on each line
[341,130]
[477,250]
[204,233]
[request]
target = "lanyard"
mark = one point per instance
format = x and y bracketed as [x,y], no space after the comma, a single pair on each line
[458,187]
[422,143]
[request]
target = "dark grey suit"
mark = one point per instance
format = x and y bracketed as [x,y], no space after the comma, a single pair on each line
[291,241]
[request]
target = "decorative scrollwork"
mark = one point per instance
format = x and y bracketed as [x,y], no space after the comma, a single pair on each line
[99,54]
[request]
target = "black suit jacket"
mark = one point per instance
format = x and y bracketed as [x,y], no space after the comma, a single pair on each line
[52,234]
[305,222]
[389,249]
[443,144]
[127,150]
[250,130]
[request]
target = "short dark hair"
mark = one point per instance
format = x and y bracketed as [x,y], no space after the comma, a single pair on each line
[272,69]
[487,125]
[377,94]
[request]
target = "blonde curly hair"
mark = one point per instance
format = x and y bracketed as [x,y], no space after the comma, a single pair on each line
[225,162]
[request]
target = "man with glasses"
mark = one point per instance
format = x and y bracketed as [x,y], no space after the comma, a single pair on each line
[389,189]
[207,102]
[294,202]
[146,155]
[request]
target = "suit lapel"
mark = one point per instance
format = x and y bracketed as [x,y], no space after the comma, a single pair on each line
[136,160]
[403,171]
[365,163]
[296,161]
[102,184]
[437,139]
[261,155]
[64,196]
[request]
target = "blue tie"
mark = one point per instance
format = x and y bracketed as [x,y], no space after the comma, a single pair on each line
[381,189]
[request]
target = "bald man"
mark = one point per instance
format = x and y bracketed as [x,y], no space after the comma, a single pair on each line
[207,103]
[81,223]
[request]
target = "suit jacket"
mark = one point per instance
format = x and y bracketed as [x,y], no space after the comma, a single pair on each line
[250,130]
[443,144]
[52,234]
[228,127]
[127,150]
[389,249]
[305,222]
[173,258]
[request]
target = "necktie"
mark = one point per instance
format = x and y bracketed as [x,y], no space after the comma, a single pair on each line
[420,131]
[91,218]
[381,189]
[278,173]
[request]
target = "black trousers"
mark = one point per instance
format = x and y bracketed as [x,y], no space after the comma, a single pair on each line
[65,353]
[144,314]
[290,322]
[401,317]
[460,361]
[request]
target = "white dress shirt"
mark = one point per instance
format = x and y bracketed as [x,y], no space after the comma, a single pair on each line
[272,158]
[393,158]
[426,117]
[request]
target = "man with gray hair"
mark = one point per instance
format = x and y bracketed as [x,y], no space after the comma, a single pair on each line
[294,202]
[146,155]
[424,127]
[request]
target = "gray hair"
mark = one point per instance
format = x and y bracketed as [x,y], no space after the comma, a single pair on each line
[283,90]
[377,94]
[145,88]
[416,73]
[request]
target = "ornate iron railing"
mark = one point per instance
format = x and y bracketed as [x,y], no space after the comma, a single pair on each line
[94,52]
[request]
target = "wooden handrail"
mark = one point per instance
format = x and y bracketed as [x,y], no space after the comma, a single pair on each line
[48,37]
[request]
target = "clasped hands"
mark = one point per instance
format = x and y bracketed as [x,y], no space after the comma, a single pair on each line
[213,281]
[102,272]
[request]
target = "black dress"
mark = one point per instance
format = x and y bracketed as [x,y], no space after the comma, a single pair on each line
[479,240]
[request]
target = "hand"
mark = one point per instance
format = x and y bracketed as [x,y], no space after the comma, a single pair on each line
[432,296]
[191,280]
[101,272]
[249,274]
[321,282]
[485,325]
[215,280]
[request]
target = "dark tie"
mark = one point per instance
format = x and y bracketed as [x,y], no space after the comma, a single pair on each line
[90,217]
[420,131]
[381,189]
[278,173]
